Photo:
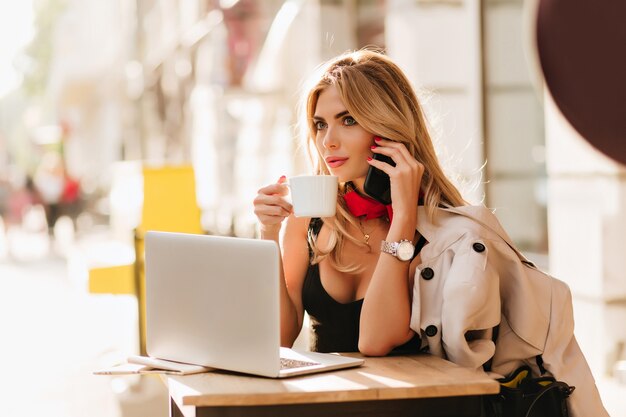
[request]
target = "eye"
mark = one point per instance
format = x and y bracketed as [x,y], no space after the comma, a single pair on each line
[319,125]
[349,121]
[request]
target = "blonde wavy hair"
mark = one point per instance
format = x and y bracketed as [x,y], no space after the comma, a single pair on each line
[381,99]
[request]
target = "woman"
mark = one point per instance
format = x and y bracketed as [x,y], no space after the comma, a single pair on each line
[468,296]
[357,297]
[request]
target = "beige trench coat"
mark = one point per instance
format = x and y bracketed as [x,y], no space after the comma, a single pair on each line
[470,280]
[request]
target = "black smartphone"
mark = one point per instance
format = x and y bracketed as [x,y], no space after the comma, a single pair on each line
[377,183]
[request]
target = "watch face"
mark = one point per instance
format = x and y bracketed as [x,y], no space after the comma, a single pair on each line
[405,250]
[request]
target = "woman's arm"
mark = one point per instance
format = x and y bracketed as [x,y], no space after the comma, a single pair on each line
[295,261]
[386,312]
[271,209]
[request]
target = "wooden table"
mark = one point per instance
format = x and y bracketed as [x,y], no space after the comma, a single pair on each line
[417,385]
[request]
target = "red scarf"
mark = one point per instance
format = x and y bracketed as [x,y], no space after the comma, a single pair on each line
[365,206]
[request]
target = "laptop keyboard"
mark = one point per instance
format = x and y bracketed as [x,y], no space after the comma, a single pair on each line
[292,363]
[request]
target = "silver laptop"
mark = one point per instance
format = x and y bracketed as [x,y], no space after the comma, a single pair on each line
[214,301]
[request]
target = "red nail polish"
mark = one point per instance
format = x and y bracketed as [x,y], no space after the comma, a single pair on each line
[373,147]
[369,158]
[377,139]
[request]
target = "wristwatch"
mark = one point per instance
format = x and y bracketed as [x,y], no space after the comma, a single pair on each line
[403,250]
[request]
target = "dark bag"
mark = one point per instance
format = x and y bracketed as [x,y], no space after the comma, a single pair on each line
[521,395]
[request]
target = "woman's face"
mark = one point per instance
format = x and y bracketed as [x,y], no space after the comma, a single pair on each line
[343,145]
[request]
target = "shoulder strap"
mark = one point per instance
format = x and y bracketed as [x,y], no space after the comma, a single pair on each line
[315,225]
[506,239]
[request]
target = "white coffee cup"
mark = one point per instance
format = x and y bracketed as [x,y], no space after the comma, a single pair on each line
[314,195]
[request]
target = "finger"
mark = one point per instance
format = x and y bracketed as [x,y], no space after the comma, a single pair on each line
[274,189]
[276,213]
[389,144]
[271,214]
[396,154]
[272,200]
[386,143]
[383,166]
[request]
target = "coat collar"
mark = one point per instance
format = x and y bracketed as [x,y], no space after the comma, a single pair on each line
[461,218]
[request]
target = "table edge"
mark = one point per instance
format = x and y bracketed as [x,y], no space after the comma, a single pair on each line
[370,394]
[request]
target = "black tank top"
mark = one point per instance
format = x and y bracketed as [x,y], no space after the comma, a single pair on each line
[335,325]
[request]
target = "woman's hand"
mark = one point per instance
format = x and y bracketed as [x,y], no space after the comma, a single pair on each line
[271,207]
[405,177]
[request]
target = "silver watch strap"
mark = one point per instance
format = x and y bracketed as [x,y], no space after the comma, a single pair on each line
[389,247]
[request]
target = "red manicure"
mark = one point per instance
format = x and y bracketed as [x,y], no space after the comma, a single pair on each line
[373,147]
[377,139]
[369,158]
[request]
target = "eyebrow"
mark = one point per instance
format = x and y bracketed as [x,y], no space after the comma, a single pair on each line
[337,116]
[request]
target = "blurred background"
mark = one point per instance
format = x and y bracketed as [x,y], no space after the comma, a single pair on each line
[119,116]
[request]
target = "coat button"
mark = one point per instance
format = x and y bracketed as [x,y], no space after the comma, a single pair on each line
[427,273]
[478,247]
[431,330]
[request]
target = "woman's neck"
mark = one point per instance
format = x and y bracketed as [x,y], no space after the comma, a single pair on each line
[358,185]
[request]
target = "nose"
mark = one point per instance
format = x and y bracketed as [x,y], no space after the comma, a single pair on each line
[330,140]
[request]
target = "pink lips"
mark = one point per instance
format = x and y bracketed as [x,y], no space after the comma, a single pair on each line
[335,161]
